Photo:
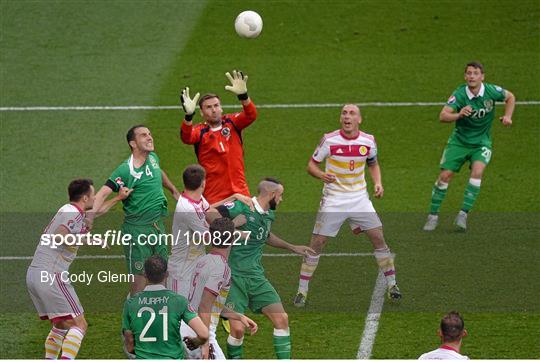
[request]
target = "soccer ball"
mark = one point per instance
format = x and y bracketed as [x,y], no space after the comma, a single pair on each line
[248,24]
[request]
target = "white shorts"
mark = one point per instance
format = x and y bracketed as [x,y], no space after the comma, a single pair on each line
[334,211]
[186,331]
[56,301]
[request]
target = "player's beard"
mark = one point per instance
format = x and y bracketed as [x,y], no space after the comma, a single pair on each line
[273,204]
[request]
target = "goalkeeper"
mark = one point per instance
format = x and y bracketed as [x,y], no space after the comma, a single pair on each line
[218,140]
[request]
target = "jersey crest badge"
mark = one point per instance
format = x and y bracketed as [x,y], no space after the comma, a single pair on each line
[451,100]
[229,204]
[153,162]
[363,150]
[226,132]
[488,104]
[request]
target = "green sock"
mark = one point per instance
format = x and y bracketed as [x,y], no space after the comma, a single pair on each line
[234,350]
[437,196]
[282,345]
[470,195]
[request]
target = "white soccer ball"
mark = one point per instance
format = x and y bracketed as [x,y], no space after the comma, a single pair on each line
[248,24]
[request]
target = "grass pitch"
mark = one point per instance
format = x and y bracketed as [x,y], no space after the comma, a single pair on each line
[141,53]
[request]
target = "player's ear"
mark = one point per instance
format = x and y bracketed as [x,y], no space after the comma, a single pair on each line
[464,333]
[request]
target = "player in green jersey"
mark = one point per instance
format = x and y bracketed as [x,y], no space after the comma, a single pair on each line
[250,288]
[146,205]
[472,108]
[151,318]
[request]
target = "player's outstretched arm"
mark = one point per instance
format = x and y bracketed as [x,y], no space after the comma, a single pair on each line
[509,105]
[169,185]
[242,198]
[375,173]
[314,170]
[276,242]
[238,86]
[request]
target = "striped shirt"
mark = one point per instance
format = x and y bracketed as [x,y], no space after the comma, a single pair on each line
[346,159]
[57,260]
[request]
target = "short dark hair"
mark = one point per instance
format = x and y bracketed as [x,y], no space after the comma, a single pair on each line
[193,177]
[207,97]
[273,180]
[130,136]
[452,326]
[476,65]
[155,269]
[217,229]
[78,188]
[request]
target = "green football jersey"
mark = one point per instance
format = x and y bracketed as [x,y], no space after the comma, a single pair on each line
[154,316]
[475,130]
[147,203]
[245,259]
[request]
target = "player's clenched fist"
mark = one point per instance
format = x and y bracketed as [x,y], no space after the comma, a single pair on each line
[465,111]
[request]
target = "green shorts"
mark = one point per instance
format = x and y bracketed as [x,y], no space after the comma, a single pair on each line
[253,292]
[137,252]
[455,155]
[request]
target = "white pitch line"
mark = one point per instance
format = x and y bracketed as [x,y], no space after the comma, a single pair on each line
[94,257]
[372,319]
[232,106]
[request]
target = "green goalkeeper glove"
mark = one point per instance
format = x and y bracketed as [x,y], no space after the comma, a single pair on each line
[238,84]
[188,104]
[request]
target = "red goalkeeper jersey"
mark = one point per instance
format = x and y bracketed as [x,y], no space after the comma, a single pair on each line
[221,153]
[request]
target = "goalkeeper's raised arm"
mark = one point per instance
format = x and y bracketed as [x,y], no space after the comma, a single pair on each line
[218,140]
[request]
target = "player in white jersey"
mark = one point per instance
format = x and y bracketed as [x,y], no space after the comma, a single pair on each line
[345,197]
[451,333]
[190,225]
[47,277]
[209,288]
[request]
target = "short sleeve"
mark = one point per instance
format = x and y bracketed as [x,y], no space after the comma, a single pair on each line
[321,152]
[189,313]
[453,102]
[119,177]
[499,94]
[372,154]
[126,325]
[231,209]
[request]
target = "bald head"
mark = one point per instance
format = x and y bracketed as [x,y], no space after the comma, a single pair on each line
[351,107]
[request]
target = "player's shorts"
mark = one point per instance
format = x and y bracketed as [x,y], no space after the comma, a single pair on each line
[186,331]
[253,292]
[335,210]
[57,301]
[456,154]
[137,252]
